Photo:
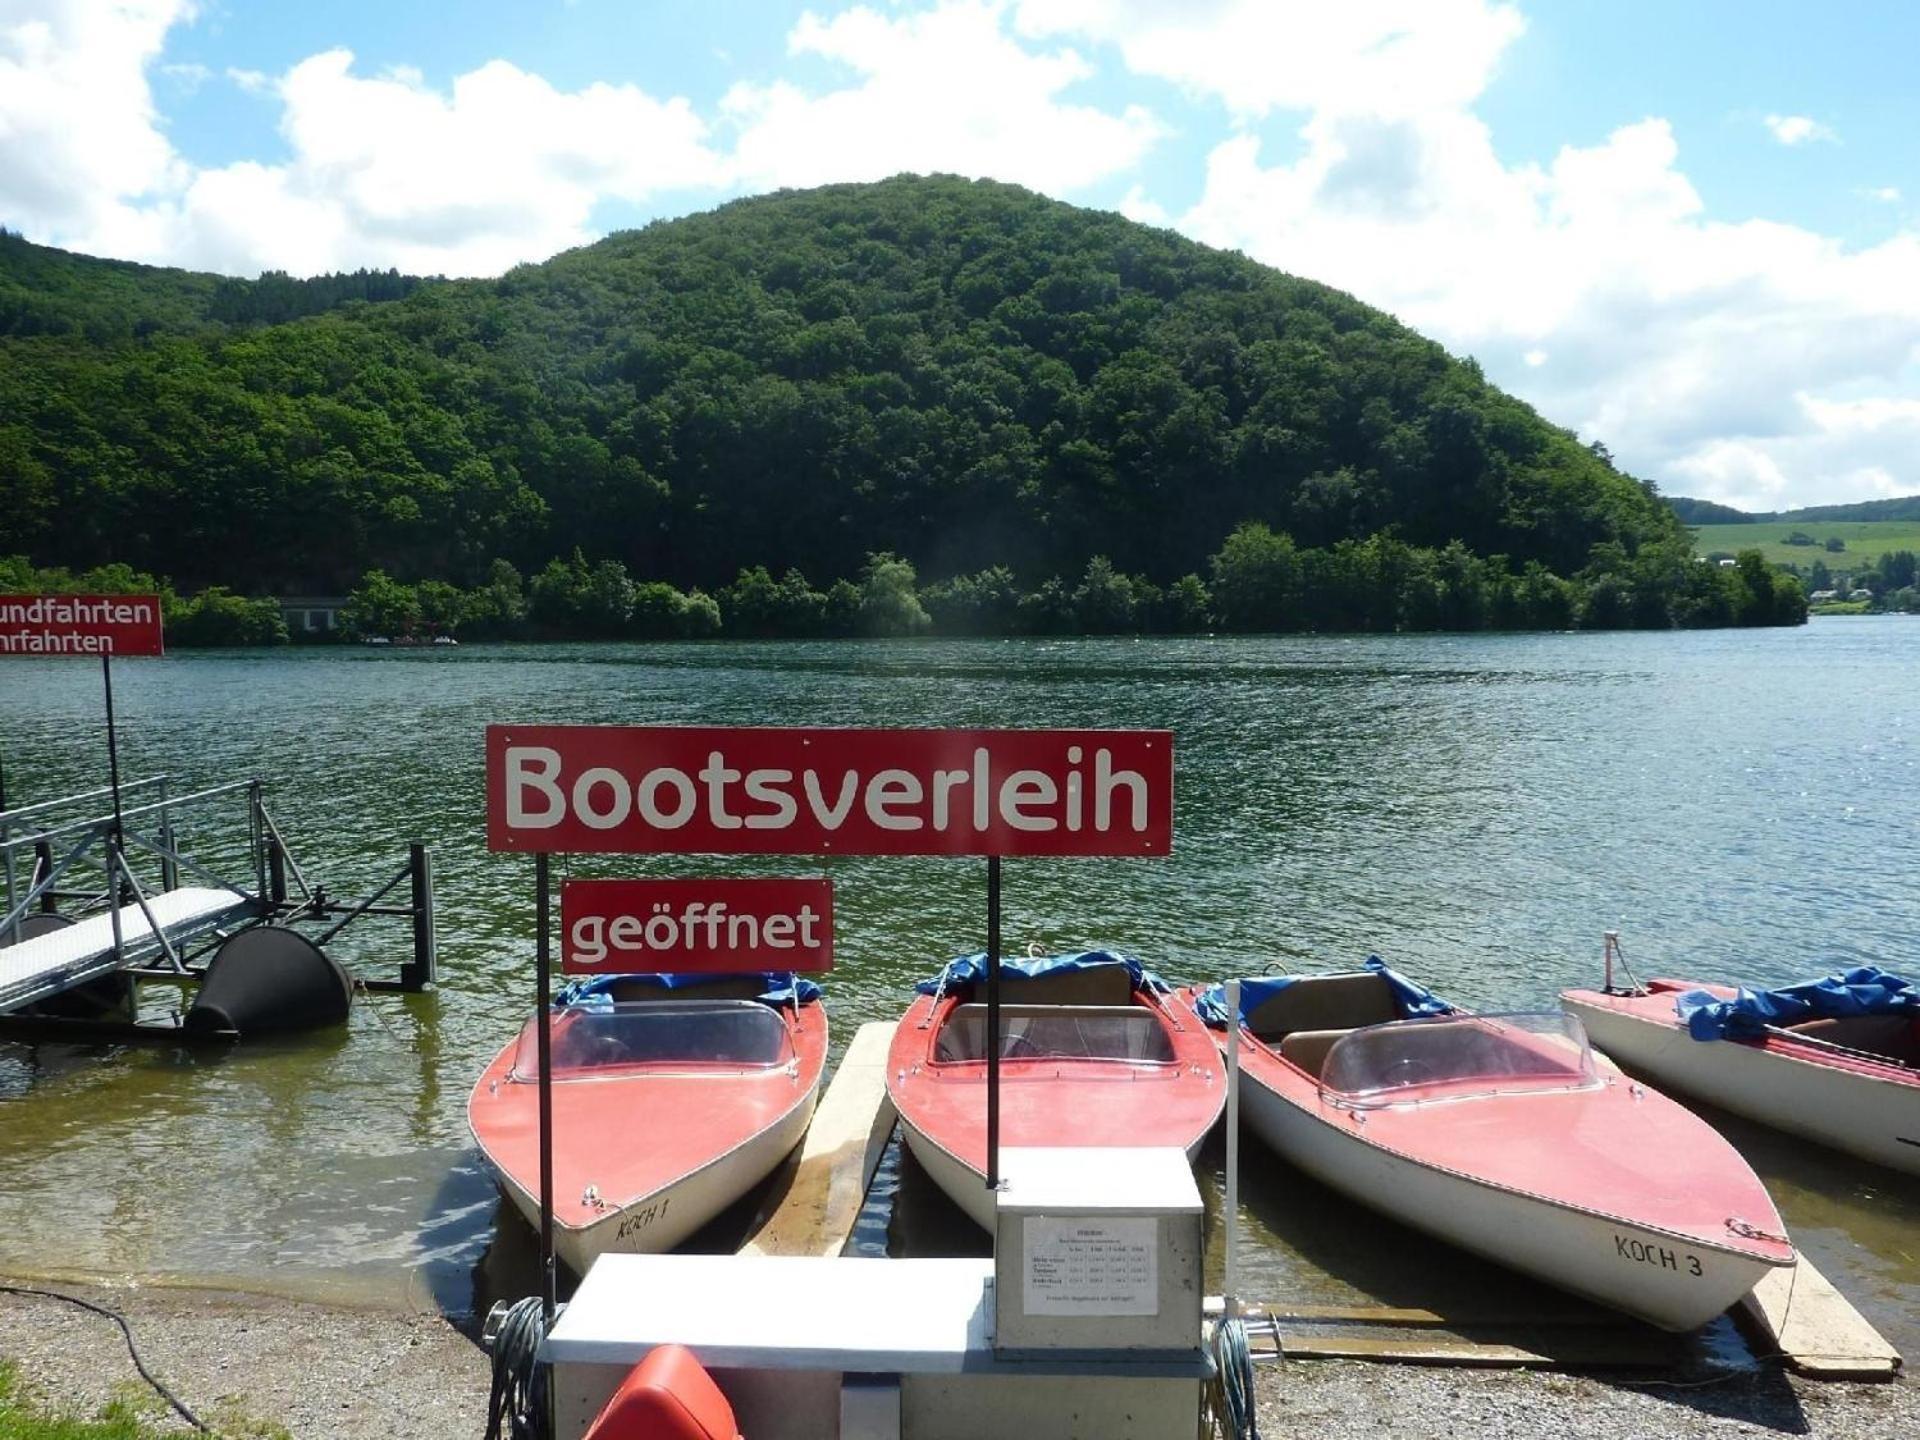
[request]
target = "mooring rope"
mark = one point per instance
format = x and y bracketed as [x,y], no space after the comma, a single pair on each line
[133,1350]
[517,1405]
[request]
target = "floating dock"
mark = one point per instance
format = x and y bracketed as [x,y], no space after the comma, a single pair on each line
[63,959]
[92,898]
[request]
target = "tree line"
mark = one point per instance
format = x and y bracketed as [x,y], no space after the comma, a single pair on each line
[1259,581]
[211,617]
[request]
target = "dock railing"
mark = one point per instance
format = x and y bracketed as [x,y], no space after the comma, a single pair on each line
[74,856]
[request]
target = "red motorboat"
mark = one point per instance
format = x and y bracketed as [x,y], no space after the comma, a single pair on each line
[1836,1061]
[670,1101]
[1091,1053]
[1500,1134]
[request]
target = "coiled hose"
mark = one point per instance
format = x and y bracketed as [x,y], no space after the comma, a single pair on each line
[517,1406]
[1230,1400]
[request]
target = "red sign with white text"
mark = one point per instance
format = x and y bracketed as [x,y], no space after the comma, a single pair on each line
[632,927]
[79,625]
[585,789]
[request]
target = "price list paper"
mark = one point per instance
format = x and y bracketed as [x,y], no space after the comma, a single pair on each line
[1092,1267]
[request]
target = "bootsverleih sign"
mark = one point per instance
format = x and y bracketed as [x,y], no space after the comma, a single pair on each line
[582,789]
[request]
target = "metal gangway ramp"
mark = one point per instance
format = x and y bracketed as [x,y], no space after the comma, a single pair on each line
[92,899]
[60,960]
[43,952]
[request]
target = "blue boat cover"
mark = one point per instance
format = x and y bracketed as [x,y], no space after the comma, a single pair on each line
[972,969]
[1414,1000]
[783,987]
[1864,990]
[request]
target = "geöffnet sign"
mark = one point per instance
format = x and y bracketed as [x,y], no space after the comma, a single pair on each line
[706,925]
[585,789]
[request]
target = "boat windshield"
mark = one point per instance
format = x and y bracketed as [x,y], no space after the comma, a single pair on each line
[1457,1057]
[593,1041]
[1057,1032]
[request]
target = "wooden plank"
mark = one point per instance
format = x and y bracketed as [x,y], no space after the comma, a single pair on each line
[816,1211]
[1416,1319]
[1570,1349]
[1815,1328]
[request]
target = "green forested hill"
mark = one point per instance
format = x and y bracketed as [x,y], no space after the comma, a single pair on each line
[963,373]
[51,292]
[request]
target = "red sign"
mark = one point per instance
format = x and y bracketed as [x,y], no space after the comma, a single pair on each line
[584,789]
[79,625]
[630,927]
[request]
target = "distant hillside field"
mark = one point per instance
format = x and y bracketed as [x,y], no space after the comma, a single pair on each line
[1866,540]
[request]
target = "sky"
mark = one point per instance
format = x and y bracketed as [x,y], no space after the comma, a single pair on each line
[1690,231]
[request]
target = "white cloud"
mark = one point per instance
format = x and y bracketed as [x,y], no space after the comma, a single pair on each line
[388,171]
[1685,343]
[1885,194]
[1696,348]
[79,135]
[1734,472]
[946,89]
[1798,129]
[1136,204]
[188,76]
[1256,56]
[383,170]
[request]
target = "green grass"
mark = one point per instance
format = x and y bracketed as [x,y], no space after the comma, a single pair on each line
[20,1421]
[130,1415]
[1866,540]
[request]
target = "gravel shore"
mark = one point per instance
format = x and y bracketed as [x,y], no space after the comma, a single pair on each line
[247,1363]
[1353,1400]
[250,1363]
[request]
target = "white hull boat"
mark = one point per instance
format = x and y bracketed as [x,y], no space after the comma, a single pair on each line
[1497,1133]
[1840,1083]
[665,1112]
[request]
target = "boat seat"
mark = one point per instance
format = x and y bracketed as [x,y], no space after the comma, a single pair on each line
[1325,1002]
[1894,1036]
[1105,985]
[1308,1048]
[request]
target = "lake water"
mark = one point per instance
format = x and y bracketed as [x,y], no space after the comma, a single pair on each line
[1478,810]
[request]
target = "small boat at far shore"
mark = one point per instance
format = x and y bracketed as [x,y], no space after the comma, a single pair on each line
[1091,1053]
[673,1095]
[1500,1134]
[1835,1061]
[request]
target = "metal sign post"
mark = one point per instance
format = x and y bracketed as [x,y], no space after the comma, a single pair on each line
[113,750]
[543,964]
[1233,1148]
[993,1022]
[116,847]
